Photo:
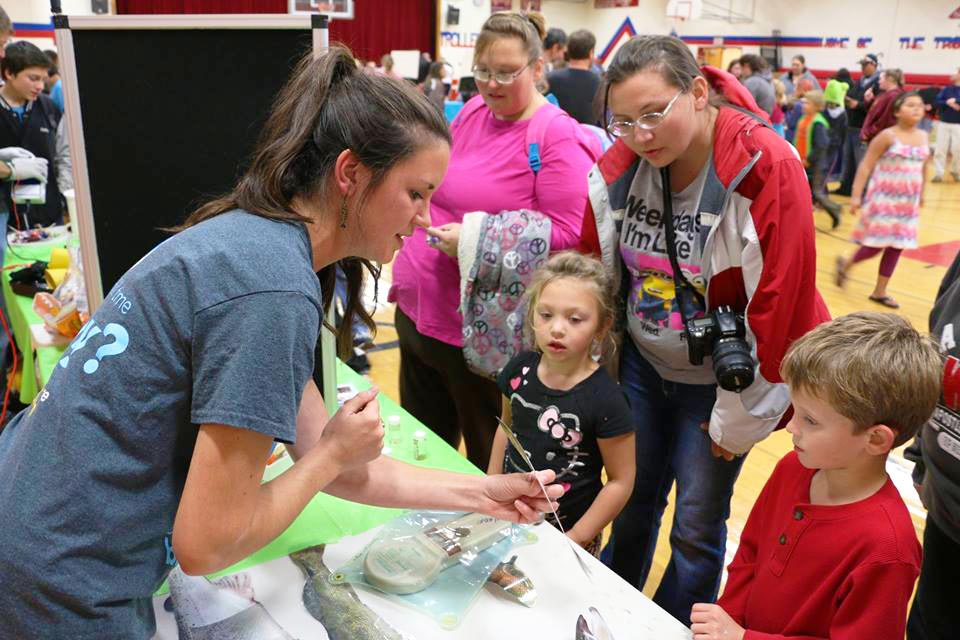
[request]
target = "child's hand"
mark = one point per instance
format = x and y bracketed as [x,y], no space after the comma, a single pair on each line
[711,622]
[445,238]
[854,203]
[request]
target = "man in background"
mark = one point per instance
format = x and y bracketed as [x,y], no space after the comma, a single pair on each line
[554,48]
[948,130]
[756,77]
[575,86]
[29,119]
[16,164]
[857,103]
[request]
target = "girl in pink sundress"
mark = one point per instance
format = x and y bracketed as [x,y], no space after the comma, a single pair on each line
[895,164]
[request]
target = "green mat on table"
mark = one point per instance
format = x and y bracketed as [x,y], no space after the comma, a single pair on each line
[21,314]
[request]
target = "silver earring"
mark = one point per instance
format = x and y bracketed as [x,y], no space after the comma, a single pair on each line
[343,214]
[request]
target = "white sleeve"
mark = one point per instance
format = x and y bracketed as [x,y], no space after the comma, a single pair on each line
[64,164]
[740,420]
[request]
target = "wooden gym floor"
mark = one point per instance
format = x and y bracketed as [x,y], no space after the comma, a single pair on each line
[914,285]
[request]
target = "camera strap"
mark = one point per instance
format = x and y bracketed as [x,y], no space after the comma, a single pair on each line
[685,292]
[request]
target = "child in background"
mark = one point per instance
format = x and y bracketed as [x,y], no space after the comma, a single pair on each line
[829,549]
[813,143]
[891,208]
[777,118]
[836,116]
[794,108]
[567,412]
[434,87]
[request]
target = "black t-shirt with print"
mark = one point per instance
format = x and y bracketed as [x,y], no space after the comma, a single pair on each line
[559,429]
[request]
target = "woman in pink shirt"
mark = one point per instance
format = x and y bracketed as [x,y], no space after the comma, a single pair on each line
[489,171]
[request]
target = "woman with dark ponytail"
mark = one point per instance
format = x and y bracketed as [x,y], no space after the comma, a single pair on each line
[132,462]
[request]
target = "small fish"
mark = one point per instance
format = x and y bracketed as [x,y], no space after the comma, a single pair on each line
[512,580]
[222,610]
[593,627]
[337,607]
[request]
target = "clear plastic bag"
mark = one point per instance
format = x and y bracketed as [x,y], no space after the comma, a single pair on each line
[437,563]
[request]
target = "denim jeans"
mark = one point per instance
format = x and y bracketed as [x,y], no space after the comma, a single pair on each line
[853,152]
[671,446]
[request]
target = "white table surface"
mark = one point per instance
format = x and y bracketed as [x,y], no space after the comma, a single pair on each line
[563,592]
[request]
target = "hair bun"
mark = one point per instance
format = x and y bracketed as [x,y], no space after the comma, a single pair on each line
[538,21]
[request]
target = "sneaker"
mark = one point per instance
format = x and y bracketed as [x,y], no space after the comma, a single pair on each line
[937,179]
[834,216]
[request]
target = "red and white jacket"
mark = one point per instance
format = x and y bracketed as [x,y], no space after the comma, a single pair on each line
[758,253]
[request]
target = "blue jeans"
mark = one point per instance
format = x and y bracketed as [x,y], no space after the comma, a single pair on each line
[671,446]
[853,152]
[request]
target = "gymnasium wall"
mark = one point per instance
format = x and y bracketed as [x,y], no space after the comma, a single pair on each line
[31,18]
[919,36]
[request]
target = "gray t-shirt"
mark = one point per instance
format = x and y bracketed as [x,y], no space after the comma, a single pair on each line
[653,315]
[216,325]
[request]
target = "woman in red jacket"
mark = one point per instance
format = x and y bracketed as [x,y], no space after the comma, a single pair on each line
[742,239]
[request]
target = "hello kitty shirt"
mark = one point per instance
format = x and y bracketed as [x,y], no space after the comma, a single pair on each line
[559,429]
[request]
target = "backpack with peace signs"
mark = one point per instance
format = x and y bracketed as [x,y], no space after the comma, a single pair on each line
[512,245]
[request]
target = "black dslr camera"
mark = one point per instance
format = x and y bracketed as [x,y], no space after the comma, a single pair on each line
[721,333]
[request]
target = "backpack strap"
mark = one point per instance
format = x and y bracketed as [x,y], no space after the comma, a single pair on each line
[537,133]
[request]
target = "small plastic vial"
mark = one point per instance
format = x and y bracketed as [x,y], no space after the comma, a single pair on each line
[394,433]
[420,445]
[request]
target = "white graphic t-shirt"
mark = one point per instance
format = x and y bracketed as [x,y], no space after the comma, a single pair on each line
[653,313]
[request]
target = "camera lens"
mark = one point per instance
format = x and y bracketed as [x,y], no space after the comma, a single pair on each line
[732,364]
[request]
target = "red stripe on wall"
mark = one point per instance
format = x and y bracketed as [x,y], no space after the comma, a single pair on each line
[910,79]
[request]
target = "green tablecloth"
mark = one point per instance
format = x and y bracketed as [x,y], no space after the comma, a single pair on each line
[21,315]
[326,518]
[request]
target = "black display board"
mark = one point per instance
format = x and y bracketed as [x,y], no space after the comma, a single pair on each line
[170,117]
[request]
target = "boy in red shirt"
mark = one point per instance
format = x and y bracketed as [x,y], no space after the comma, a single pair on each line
[829,550]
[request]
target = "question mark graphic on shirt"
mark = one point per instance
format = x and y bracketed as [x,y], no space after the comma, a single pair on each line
[89,330]
[118,346]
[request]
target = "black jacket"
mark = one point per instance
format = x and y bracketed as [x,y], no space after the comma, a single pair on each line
[37,134]
[936,450]
[857,115]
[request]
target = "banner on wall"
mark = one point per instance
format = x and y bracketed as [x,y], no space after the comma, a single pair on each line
[611,4]
[500,5]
